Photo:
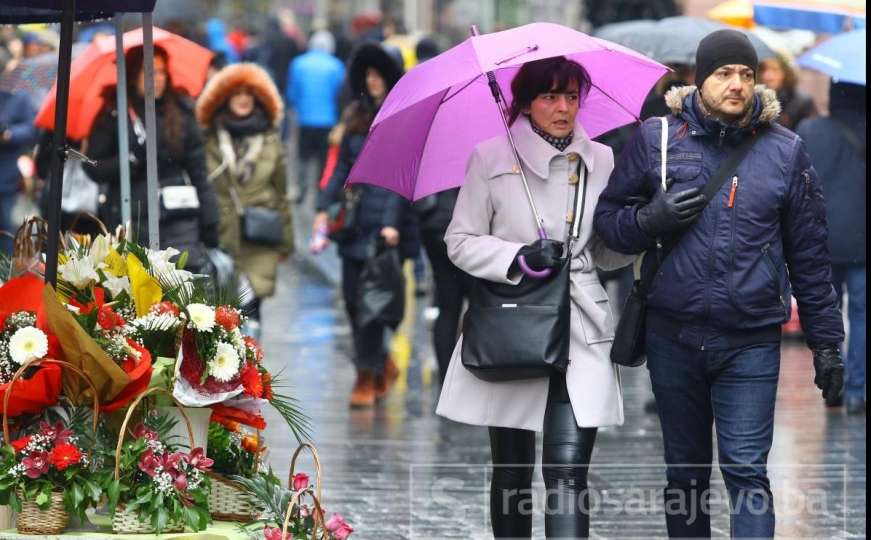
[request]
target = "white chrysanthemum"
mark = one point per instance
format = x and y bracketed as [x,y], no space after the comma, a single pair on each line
[225,366]
[117,284]
[202,317]
[28,343]
[78,272]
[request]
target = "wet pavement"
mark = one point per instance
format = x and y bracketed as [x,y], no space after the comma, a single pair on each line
[399,471]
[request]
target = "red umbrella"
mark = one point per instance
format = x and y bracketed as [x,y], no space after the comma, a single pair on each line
[95,69]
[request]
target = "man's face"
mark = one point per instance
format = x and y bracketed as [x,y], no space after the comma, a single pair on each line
[728,92]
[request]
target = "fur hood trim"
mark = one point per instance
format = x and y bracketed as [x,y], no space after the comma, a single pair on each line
[771,108]
[222,84]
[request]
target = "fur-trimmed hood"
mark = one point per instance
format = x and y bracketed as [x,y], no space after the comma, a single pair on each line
[676,97]
[219,88]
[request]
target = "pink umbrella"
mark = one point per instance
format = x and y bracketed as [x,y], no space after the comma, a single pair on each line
[439,111]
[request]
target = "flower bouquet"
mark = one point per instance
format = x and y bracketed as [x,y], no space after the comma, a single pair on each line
[23,338]
[234,453]
[287,515]
[157,487]
[45,475]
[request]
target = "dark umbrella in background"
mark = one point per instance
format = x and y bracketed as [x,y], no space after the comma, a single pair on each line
[35,76]
[67,12]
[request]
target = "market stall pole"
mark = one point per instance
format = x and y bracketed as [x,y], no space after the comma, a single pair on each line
[123,136]
[150,133]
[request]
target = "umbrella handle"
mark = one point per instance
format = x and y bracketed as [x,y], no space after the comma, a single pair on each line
[528,270]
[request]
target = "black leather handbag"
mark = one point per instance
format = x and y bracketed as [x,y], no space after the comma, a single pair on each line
[523,331]
[629,347]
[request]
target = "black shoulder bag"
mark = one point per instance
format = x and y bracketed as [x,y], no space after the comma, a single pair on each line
[523,331]
[629,348]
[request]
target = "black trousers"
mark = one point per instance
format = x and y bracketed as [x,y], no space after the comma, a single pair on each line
[451,287]
[565,461]
[370,349]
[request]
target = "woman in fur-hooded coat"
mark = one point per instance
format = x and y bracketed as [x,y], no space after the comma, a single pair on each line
[240,110]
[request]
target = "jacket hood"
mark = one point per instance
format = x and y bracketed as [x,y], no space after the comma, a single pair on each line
[372,55]
[219,88]
[766,100]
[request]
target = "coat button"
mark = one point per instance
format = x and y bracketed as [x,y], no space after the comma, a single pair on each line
[570,216]
[573,157]
[573,179]
[515,169]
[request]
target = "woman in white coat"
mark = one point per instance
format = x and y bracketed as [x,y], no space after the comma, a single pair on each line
[492,225]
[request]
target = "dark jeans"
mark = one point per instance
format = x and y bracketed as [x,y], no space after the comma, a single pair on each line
[451,287]
[312,154]
[853,276]
[565,461]
[735,391]
[370,350]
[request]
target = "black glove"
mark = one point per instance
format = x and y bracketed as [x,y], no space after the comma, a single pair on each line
[829,368]
[542,254]
[669,212]
[209,235]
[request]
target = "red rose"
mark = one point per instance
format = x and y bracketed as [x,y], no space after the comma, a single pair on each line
[108,319]
[166,307]
[227,317]
[63,455]
[300,481]
[20,444]
[251,381]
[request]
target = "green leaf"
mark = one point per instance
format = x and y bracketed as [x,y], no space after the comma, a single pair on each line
[15,502]
[42,499]
[113,491]
[182,260]
[94,490]
[77,495]
[159,519]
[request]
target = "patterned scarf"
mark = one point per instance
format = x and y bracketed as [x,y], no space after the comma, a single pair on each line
[560,143]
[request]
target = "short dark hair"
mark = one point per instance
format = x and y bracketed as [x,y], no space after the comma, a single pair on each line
[546,75]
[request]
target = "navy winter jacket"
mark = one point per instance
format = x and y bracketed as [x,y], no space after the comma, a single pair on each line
[735,267]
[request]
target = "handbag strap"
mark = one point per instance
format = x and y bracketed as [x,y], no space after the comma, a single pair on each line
[715,182]
[579,205]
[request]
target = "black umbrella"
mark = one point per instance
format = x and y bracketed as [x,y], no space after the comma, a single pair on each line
[67,12]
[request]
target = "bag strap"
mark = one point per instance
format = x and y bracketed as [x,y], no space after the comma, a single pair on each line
[579,204]
[715,182]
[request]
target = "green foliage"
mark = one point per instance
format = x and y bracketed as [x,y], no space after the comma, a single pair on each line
[225,447]
[290,409]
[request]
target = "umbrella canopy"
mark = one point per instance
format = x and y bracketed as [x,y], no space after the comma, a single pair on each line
[26,11]
[672,40]
[95,69]
[439,111]
[734,13]
[824,16]
[842,57]
[35,76]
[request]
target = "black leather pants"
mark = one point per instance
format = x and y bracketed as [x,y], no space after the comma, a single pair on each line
[565,461]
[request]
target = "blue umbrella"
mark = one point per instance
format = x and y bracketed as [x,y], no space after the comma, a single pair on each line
[842,57]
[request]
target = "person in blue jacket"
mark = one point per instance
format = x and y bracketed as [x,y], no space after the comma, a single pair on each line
[717,302]
[837,146]
[17,134]
[313,84]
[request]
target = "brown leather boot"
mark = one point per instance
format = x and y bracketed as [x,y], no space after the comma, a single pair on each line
[385,381]
[363,393]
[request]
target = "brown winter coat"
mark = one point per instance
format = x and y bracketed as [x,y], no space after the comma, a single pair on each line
[265,185]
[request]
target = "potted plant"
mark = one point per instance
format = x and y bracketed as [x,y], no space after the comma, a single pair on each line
[157,487]
[235,453]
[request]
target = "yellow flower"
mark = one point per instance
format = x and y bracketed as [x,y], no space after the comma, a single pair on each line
[146,290]
[115,264]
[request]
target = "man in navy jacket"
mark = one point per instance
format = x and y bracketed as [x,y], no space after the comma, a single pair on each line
[716,304]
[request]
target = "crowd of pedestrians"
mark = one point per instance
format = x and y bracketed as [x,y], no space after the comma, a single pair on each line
[790,225]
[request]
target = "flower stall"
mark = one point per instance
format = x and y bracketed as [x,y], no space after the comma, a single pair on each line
[172,440]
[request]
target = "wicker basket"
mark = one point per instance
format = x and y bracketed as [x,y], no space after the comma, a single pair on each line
[32,519]
[127,522]
[319,530]
[123,520]
[228,502]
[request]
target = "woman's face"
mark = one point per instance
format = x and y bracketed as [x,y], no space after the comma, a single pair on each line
[241,103]
[160,76]
[375,85]
[555,112]
[772,74]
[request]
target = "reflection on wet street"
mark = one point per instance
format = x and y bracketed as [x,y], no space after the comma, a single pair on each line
[398,471]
